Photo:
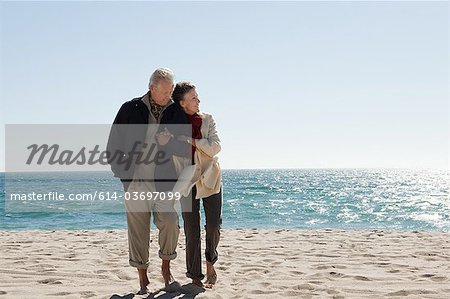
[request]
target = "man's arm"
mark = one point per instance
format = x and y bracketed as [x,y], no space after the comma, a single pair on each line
[116,141]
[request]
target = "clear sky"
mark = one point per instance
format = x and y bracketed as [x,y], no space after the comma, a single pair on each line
[294,84]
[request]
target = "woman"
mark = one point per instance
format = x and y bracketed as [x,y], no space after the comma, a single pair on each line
[203,145]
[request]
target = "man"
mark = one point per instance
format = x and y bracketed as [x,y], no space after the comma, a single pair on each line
[132,136]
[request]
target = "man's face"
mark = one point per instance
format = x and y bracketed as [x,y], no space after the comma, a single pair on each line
[162,92]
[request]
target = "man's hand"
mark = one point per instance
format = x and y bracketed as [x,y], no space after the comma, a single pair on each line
[186,139]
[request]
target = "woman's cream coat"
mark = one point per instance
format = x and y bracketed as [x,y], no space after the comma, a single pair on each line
[205,174]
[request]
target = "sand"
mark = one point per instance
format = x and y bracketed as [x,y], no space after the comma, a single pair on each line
[253,263]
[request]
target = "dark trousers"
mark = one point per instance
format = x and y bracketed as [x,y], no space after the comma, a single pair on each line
[213,215]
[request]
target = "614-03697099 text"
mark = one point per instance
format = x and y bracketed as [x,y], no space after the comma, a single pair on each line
[102,196]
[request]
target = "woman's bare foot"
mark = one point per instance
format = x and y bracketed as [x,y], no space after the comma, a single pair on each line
[211,275]
[143,291]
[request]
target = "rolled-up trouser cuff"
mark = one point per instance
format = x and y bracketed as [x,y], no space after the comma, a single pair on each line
[139,265]
[212,261]
[167,257]
[189,275]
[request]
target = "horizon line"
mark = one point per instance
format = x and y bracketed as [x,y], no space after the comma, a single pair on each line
[265,168]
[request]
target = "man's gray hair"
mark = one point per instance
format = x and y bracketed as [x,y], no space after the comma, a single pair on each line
[162,73]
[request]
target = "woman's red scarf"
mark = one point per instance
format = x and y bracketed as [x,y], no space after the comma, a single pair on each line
[196,122]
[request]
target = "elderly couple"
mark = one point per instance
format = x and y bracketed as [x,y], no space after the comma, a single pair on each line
[152,117]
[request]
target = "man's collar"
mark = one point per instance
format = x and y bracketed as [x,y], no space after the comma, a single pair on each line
[152,102]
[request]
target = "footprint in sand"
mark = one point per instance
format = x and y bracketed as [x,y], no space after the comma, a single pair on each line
[98,242]
[296,294]
[88,294]
[382,263]
[295,272]
[315,282]
[261,292]
[439,278]
[337,274]
[362,278]
[305,286]
[70,256]
[324,267]
[50,281]
[249,268]
[434,277]
[332,292]
[61,294]
[404,293]
[123,275]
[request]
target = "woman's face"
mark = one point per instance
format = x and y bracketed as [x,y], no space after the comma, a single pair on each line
[191,102]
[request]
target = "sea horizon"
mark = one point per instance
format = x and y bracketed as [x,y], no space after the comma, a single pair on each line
[350,199]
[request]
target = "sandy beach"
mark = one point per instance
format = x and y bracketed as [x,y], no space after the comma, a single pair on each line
[253,263]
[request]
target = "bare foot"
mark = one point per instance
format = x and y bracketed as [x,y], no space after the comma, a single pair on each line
[165,272]
[143,291]
[143,281]
[197,282]
[211,275]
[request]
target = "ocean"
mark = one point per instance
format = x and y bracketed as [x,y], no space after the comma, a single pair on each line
[351,199]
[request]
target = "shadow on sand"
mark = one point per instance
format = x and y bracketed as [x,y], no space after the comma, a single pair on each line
[186,291]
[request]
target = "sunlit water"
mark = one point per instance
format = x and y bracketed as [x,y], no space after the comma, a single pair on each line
[303,198]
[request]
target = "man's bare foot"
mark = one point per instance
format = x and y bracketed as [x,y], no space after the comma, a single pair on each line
[143,281]
[211,275]
[197,282]
[165,272]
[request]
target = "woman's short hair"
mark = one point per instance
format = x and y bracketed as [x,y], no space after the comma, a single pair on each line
[160,74]
[181,89]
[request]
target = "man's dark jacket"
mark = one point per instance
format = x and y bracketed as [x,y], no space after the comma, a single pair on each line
[123,138]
